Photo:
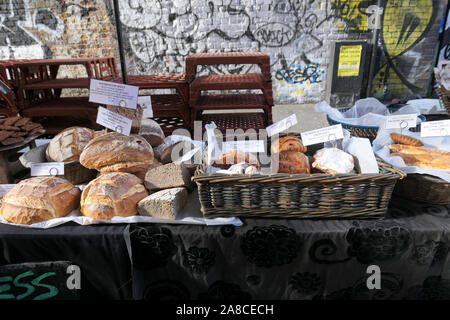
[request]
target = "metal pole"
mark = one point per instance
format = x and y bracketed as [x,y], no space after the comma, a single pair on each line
[373,58]
[123,66]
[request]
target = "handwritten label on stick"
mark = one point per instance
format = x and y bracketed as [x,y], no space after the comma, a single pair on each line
[47,169]
[401,121]
[282,125]
[435,128]
[243,145]
[322,135]
[114,94]
[114,121]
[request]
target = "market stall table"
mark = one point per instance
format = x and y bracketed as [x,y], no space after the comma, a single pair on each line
[264,259]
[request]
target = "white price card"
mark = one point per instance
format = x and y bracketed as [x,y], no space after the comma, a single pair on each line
[243,145]
[146,104]
[114,94]
[322,135]
[439,128]
[401,121]
[282,125]
[114,121]
[47,169]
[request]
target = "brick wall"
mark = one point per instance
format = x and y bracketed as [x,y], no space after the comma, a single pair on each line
[159,34]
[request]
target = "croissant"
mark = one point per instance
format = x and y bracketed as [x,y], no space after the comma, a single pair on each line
[292,162]
[289,143]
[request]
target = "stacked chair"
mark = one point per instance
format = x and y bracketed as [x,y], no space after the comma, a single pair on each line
[230,101]
[36,92]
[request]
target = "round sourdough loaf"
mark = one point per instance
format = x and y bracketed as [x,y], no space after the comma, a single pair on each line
[112,194]
[39,199]
[67,145]
[115,152]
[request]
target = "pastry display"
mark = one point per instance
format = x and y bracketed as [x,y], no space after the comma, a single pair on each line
[114,152]
[426,158]
[68,144]
[234,156]
[112,194]
[16,129]
[39,199]
[333,161]
[289,143]
[404,139]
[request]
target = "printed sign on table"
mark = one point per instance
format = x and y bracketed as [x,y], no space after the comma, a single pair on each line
[47,169]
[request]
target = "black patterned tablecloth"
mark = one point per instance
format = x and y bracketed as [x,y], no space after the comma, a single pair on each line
[296,259]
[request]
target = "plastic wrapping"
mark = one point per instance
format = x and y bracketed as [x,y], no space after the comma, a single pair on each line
[368,112]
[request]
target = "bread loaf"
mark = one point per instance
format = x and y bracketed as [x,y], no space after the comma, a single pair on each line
[164,204]
[67,145]
[115,152]
[112,194]
[292,162]
[39,199]
[151,131]
[404,139]
[167,176]
[289,143]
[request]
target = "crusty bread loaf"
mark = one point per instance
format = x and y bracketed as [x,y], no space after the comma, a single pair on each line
[289,143]
[112,194]
[404,139]
[115,152]
[292,162]
[67,145]
[39,199]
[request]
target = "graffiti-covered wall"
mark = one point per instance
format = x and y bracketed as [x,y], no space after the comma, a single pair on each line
[159,34]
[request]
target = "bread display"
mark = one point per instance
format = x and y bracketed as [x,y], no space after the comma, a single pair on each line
[289,143]
[39,199]
[333,161]
[404,139]
[67,145]
[426,158]
[112,194]
[291,162]
[16,129]
[234,156]
[114,152]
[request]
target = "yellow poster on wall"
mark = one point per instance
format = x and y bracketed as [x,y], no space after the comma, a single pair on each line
[349,61]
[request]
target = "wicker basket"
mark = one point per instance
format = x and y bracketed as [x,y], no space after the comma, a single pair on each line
[299,196]
[433,190]
[444,96]
[366,131]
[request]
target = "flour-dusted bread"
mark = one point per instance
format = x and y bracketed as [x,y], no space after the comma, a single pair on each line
[112,194]
[67,145]
[115,152]
[39,199]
